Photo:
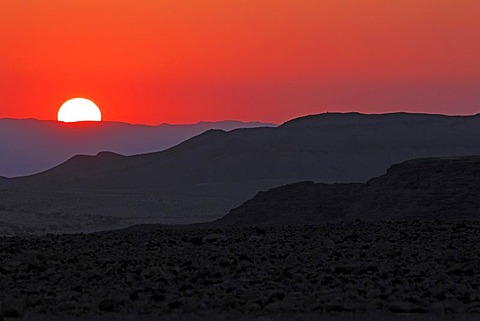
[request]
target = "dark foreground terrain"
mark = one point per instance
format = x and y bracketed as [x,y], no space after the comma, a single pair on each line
[341,271]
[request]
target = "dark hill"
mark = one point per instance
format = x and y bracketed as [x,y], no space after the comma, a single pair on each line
[328,148]
[431,188]
[30,146]
[75,168]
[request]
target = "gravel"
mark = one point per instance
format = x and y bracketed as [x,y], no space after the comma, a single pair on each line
[424,269]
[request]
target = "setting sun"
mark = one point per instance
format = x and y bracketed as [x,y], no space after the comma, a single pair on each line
[79,109]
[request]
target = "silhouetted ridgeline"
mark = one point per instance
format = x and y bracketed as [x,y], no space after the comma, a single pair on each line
[29,146]
[431,188]
[325,148]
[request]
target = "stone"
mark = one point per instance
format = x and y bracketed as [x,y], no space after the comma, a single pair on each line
[211,238]
[438,308]
[252,307]
[273,307]
[175,305]
[346,269]
[158,296]
[196,240]
[67,306]
[151,272]
[333,307]
[255,238]
[374,293]
[107,305]
[400,307]
[276,295]
[329,244]
[12,308]
[243,257]
[353,306]
[474,308]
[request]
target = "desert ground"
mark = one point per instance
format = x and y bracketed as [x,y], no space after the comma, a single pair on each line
[340,271]
[36,212]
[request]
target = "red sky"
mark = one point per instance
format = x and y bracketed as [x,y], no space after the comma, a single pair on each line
[156,61]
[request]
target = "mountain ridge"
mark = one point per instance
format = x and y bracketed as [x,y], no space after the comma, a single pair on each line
[444,188]
[31,146]
[325,147]
[218,122]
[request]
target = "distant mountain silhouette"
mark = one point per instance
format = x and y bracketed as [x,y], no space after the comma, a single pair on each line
[29,146]
[431,188]
[325,148]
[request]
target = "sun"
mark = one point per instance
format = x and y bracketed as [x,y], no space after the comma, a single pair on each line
[79,109]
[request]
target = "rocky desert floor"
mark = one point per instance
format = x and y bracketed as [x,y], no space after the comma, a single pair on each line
[25,213]
[345,271]
[63,211]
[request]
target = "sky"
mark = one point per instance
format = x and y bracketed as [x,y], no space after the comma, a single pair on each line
[170,61]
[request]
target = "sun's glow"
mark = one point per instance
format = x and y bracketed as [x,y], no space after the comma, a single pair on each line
[79,109]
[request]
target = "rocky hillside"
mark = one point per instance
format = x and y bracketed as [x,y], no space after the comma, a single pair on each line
[431,188]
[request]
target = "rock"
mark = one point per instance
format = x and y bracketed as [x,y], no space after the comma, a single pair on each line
[400,307]
[33,261]
[346,269]
[77,288]
[175,305]
[252,307]
[333,307]
[107,305]
[67,306]
[276,295]
[373,293]
[438,294]
[133,296]
[438,308]
[353,306]
[158,296]
[211,238]
[12,308]
[151,272]
[196,240]
[273,307]
[474,308]
[329,244]
[255,238]
[243,257]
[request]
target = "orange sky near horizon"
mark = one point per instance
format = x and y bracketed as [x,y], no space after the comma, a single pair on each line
[157,61]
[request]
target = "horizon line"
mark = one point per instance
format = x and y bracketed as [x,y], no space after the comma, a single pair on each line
[243,121]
